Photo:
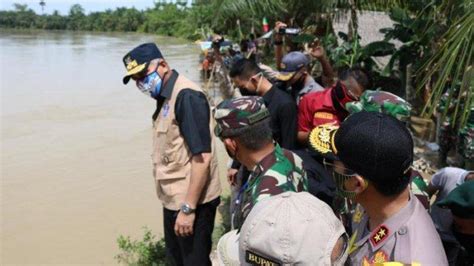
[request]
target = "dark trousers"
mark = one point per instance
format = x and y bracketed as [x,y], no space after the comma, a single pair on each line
[452,250]
[194,249]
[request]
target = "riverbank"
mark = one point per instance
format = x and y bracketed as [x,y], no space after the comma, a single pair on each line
[76,144]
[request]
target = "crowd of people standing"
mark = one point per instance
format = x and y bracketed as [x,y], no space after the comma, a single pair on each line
[320,167]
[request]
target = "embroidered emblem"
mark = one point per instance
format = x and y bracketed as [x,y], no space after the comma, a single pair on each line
[379,235]
[321,138]
[379,257]
[132,64]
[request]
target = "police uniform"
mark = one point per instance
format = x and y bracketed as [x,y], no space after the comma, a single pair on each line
[408,237]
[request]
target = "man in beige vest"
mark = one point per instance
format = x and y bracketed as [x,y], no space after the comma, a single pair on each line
[184,161]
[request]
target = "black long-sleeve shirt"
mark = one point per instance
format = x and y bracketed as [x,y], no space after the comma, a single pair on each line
[284,117]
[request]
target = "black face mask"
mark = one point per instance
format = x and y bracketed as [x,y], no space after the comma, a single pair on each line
[246,92]
[299,84]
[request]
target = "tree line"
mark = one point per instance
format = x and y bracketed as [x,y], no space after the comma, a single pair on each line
[163,19]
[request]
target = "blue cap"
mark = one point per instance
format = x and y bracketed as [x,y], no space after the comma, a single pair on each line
[291,63]
[138,59]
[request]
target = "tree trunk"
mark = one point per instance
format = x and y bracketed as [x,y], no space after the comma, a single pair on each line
[409,90]
[353,21]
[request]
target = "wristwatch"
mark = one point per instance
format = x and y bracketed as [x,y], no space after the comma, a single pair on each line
[186,209]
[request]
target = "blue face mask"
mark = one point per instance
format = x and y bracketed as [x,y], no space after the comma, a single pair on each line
[151,85]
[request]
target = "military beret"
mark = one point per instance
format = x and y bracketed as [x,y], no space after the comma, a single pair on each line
[239,113]
[460,201]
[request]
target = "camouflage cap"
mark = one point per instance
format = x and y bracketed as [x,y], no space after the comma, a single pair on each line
[238,113]
[381,102]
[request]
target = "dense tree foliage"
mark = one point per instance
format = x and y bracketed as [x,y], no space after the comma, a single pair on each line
[165,19]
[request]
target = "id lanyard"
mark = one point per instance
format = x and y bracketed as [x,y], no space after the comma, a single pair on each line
[238,201]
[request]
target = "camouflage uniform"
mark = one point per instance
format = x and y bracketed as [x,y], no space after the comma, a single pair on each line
[278,172]
[381,102]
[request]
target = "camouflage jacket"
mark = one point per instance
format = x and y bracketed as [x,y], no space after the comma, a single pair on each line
[278,172]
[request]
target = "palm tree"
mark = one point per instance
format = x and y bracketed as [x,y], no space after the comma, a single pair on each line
[452,62]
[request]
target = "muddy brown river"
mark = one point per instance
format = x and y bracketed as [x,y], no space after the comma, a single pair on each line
[75,145]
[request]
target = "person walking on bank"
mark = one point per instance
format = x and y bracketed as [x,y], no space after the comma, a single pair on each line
[184,161]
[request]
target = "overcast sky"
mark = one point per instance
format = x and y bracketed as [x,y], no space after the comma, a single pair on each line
[89,5]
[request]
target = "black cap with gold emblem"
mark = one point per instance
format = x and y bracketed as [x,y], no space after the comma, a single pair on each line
[321,141]
[137,60]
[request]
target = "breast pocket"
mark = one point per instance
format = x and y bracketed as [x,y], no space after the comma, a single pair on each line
[161,153]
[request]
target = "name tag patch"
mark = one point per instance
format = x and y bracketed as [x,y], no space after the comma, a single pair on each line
[324,115]
[255,259]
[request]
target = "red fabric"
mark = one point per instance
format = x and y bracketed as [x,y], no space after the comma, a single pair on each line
[317,109]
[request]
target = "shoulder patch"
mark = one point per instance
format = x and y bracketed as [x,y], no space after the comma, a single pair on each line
[255,259]
[379,235]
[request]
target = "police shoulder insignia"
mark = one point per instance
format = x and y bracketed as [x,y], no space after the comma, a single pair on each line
[379,235]
[255,259]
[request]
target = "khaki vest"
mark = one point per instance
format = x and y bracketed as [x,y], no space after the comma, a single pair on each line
[172,157]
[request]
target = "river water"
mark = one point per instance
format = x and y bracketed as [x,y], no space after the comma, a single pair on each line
[75,145]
